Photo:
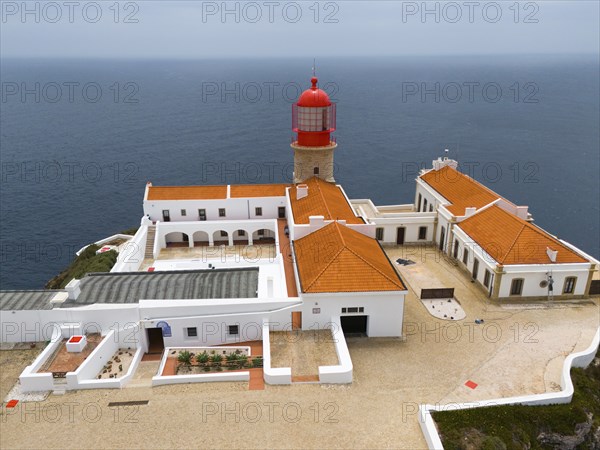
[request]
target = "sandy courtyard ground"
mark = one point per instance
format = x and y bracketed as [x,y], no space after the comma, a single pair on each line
[519,349]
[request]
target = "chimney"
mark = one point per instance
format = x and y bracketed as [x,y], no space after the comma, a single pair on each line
[301,191]
[73,289]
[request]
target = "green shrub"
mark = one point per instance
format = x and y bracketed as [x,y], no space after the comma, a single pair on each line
[202,358]
[185,357]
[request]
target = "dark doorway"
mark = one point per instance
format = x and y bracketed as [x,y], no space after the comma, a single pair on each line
[442,238]
[186,238]
[400,235]
[281,212]
[354,325]
[156,343]
[166,215]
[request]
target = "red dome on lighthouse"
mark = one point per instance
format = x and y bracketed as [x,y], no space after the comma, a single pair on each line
[313,118]
[314,97]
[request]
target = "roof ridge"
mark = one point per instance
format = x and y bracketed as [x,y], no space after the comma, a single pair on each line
[323,197]
[378,271]
[320,274]
[362,258]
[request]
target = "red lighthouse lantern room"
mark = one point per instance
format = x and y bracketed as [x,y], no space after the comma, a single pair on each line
[313,118]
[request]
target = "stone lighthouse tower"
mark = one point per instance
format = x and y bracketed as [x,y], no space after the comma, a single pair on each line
[313,121]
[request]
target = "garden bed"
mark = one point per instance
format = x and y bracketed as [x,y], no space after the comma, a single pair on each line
[196,361]
[118,365]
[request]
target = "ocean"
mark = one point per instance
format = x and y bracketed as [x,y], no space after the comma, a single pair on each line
[80,138]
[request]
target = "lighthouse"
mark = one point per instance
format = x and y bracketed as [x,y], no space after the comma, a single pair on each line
[313,121]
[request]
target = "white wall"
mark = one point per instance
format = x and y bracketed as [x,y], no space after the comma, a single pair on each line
[579,359]
[31,381]
[342,372]
[90,368]
[278,375]
[534,274]
[385,310]
[132,254]
[236,208]
[212,319]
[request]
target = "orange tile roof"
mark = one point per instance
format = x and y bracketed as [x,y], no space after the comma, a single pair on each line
[511,240]
[459,189]
[323,199]
[187,192]
[336,258]
[257,190]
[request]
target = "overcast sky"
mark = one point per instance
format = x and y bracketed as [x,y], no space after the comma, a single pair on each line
[195,29]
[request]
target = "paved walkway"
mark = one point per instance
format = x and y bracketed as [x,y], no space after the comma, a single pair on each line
[285,248]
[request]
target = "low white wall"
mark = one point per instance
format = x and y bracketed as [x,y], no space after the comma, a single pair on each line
[280,375]
[579,359]
[32,381]
[132,254]
[341,373]
[200,378]
[90,368]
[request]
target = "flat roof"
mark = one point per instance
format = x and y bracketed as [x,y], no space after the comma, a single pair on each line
[216,192]
[21,300]
[131,287]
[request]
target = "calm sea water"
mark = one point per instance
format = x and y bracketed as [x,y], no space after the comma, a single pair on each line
[75,162]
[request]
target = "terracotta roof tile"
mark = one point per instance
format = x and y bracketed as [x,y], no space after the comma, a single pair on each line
[323,199]
[336,258]
[511,240]
[459,189]
[187,192]
[257,190]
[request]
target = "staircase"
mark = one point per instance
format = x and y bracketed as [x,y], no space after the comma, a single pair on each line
[149,254]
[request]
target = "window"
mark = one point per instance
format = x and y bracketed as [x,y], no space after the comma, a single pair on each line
[569,286]
[379,234]
[352,310]
[431,207]
[455,253]
[233,330]
[241,233]
[419,204]
[258,211]
[422,233]
[361,309]
[191,332]
[516,287]
[223,233]
[316,171]
[486,278]
[344,310]
[261,232]
[183,212]
[222,212]
[202,214]
[424,205]
[465,257]
[475,268]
